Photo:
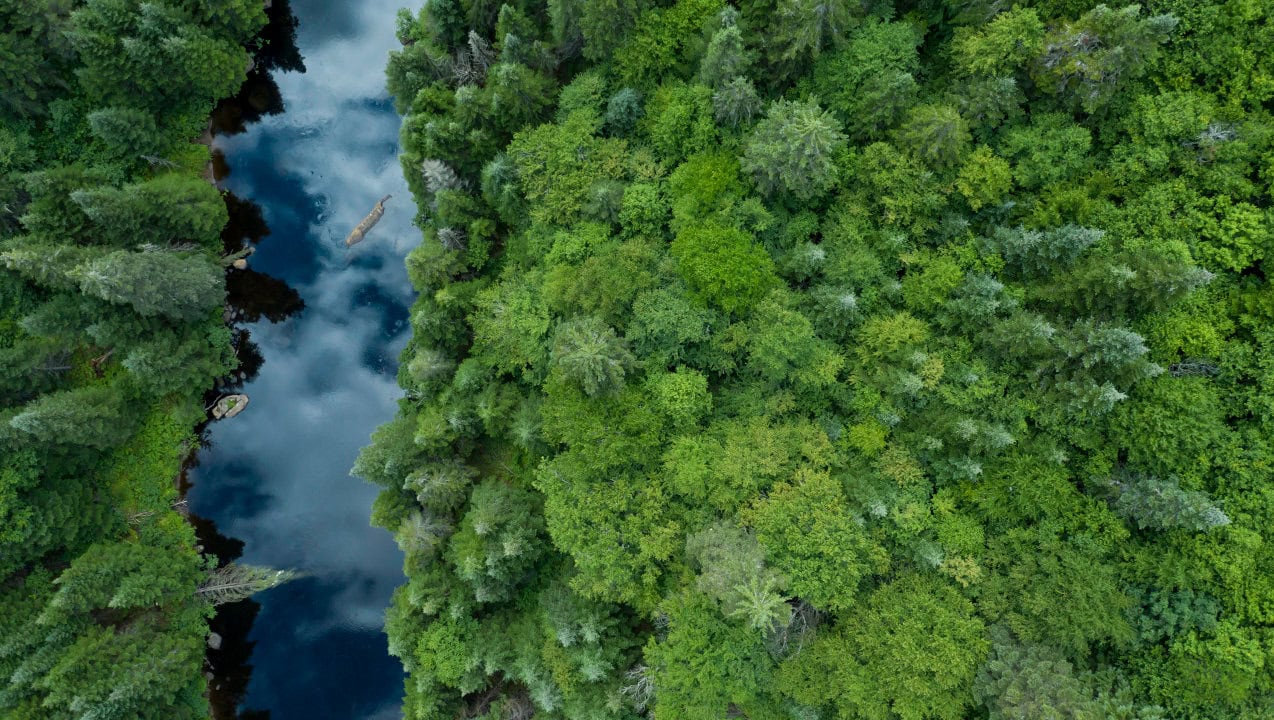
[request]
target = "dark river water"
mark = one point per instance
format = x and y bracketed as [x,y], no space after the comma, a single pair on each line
[275,479]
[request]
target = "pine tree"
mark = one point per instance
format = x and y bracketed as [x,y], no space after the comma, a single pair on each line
[736,103]
[937,134]
[155,55]
[89,416]
[793,150]
[180,286]
[606,23]
[1023,681]
[758,603]
[1086,61]
[872,81]
[589,354]
[46,264]
[421,534]
[623,110]
[34,61]
[807,27]
[1156,504]
[441,486]
[169,362]
[168,210]
[1035,252]
[498,540]
[440,176]
[130,132]
[727,57]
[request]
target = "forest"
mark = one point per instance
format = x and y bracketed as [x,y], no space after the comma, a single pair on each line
[830,359]
[112,293]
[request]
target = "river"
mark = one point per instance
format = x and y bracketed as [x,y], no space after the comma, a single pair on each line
[276,477]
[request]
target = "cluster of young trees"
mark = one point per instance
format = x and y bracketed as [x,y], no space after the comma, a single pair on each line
[827,359]
[112,293]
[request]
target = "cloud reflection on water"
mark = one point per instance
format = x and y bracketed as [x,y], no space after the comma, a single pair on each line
[276,476]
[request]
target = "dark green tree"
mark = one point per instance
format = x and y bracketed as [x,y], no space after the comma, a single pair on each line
[91,416]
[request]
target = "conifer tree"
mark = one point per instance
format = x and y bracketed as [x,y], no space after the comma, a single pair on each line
[727,57]
[169,210]
[154,282]
[591,355]
[793,150]
[1163,505]
[937,134]
[90,416]
[128,131]
[1022,681]
[736,103]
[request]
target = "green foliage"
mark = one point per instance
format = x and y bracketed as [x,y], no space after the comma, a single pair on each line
[497,540]
[89,416]
[809,530]
[793,150]
[1001,46]
[1086,60]
[156,54]
[1164,505]
[984,179]
[1030,569]
[623,111]
[589,354]
[110,332]
[736,103]
[807,27]
[910,651]
[732,570]
[128,131]
[723,266]
[859,360]
[554,180]
[706,663]
[169,210]
[663,40]
[1024,681]
[679,121]
[935,133]
[727,57]
[36,58]
[872,81]
[180,286]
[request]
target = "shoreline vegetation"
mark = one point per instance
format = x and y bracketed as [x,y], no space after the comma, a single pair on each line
[112,329]
[821,359]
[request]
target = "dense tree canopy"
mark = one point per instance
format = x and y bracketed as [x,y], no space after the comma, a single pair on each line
[814,359]
[111,330]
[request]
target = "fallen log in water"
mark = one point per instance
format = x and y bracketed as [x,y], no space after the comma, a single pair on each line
[357,234]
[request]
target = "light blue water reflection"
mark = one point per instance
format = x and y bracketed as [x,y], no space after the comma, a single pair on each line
[277,476]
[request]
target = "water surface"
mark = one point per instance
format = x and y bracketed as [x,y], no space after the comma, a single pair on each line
[276,477]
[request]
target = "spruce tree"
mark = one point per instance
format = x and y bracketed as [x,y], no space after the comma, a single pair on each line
[92,416]
[793,150]
[1157,504]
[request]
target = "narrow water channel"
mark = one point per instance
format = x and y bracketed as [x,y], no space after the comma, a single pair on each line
[276,477]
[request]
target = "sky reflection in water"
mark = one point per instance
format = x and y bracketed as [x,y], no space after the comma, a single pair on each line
[276,476]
